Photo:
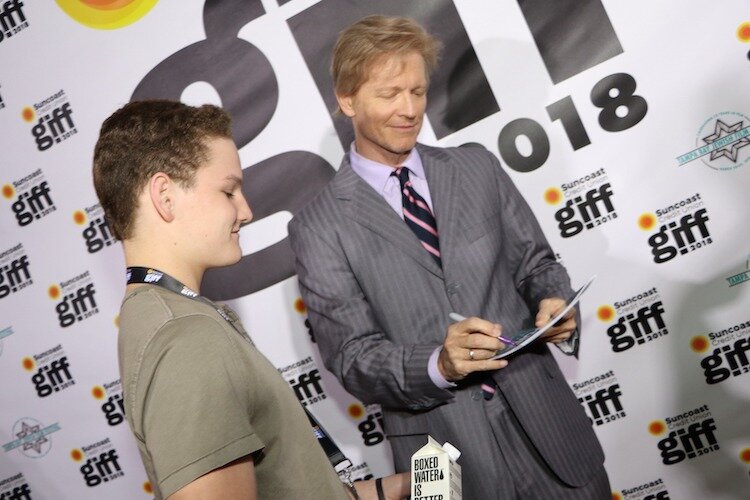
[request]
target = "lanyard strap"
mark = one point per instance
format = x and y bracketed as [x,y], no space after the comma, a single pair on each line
[151,276]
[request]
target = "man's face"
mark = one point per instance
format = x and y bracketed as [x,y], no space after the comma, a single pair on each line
[388,108]
[211,211]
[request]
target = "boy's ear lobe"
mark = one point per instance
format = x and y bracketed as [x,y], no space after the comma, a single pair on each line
[161,191]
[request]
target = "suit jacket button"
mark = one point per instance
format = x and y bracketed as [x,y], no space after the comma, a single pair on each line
[476,395]
[452,288]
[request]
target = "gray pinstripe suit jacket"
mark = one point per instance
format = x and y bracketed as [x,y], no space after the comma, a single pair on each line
[379,305]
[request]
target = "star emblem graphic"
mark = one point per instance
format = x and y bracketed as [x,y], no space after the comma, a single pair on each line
[28,430]
[723,130]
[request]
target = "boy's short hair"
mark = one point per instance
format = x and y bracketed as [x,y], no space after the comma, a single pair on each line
[146,137]
[359,45]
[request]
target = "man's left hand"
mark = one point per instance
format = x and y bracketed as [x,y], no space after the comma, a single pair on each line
[563,329]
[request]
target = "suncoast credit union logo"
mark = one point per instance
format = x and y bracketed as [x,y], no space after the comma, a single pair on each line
[15,488]
[587,203]
[78,299]
[651,490]
[721,142]
[96,233]
[113,405]
[301,308]
[600,398]
[304,377]
[31,437]
[634,320]
[14,271]
[32,198]
[370,422]
[102,462]
[12,19]
[106,15]
[682,228]
[692,434]
[54,120]
[51,371]
[726,352]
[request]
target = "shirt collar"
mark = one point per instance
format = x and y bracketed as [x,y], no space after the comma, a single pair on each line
[377,174]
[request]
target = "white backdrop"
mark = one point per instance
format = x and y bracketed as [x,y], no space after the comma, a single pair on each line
[628,141]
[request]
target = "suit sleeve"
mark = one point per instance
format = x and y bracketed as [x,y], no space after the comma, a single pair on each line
[352,344]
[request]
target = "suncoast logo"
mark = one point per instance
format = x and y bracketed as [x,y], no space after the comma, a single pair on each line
[32,198]
[15,488]
[14,271]
[96,233]
[78,299]
[114,405]
[588,203]
[360,472]
[651,490]
[682,228]
[31,437]
[600,397]
[51,371]
[301,308]
[106,15]
[102,462]
[691,434]
[304,377]
[371,426]
[729,352]
[54,120]
[721,142]
[637,319]
[12,18]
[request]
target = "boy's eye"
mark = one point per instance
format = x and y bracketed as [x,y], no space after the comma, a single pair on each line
[229,195]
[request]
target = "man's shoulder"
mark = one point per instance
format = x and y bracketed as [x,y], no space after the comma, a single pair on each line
[456,154]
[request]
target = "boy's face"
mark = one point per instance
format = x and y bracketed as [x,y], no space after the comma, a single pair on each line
[210,212]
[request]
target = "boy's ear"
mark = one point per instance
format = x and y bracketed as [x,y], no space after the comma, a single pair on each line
[161,191]
[346,104]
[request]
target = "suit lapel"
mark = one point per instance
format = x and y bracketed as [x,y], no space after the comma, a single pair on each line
[366,207]
[442,180]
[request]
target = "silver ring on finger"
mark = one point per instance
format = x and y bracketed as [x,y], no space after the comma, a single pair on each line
[471,354]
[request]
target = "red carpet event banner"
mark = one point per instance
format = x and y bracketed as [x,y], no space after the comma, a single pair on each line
[624,124]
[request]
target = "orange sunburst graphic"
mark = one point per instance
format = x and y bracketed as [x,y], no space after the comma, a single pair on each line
[147,487]
[553,195]
[657,427]
[745,455]
[98,392]
[605,313]
[28,114]
[106,14]
[300,306]
[8,192]
[356,410]
[28,364]
[79,217]
[54,292]
[647,221]
[743,32]
[616,495]
[76,454]
[699,343]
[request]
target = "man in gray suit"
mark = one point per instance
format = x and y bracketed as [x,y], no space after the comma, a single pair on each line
[405,234]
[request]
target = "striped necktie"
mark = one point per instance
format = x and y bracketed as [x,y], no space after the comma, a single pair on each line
[417,215]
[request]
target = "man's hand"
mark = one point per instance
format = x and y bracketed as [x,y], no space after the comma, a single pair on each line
[563,329]
[467,348]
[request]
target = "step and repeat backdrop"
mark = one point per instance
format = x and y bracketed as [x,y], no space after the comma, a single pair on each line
[626,125]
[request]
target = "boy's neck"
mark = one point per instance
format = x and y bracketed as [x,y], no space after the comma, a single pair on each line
[166,262]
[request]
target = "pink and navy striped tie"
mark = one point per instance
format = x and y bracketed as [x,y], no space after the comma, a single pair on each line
[418,216]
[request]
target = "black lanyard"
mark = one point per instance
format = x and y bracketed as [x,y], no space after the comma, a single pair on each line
[151,276]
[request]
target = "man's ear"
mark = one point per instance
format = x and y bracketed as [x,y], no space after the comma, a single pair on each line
[346,104]
[161,191]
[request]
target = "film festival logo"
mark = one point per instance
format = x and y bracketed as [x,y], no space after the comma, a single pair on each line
[727,352]
[304,378]
[301,308]
[637,320]
[78,299]
[96,233]
[51,371]
[600,397]
[15,488]
[32,438]
[692,434]
[652,490]
[369,423]
[588,203]
[114,404]
[721,142]
[32,198]
[683,228]
[12,19]
[14,271]
[54,120]
[102,462]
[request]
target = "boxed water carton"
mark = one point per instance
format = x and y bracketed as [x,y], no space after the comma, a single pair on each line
[435,475]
